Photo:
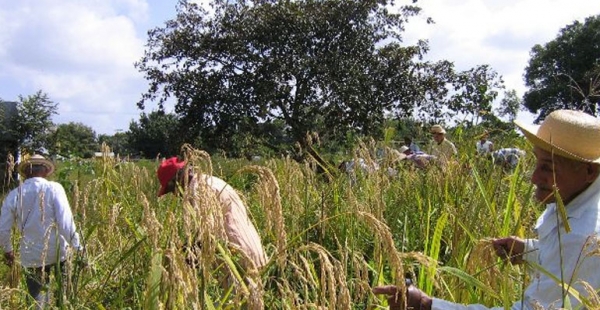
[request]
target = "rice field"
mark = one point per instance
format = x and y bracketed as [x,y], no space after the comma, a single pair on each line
[328,242]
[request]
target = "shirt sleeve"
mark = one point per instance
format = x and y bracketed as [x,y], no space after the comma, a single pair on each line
[6,222]
[576,266]
[531,250]
[64,217]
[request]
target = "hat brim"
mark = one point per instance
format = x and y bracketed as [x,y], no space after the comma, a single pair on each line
[530,132]
[36,162]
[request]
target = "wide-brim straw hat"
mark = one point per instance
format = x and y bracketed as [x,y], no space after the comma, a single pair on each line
[567,133]
[437,129]
[36,160]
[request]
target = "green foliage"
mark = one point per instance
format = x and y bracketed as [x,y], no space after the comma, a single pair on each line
[335,68]
[509,106]
[33,121]
[155,133]
[565,73]
[73,140]
[118,143]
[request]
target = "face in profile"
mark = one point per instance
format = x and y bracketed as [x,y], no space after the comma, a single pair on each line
[570,177]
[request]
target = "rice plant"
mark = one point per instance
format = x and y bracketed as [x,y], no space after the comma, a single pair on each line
[328,242]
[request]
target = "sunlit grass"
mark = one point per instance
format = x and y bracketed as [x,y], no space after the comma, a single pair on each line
[328,242]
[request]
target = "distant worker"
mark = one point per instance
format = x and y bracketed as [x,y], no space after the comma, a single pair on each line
[484,145]
[419,159]
[440,147]
[507,157]
[414,148]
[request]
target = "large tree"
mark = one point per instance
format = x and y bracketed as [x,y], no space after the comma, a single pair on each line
[564,73]
[73,140]
[32,123]
[329,66]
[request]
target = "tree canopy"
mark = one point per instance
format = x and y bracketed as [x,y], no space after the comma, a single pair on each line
[565,72]
[73,140]
[333,67]
[33,121]
[155,134]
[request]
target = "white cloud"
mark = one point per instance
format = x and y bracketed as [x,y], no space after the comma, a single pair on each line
[500,33]
[79,52]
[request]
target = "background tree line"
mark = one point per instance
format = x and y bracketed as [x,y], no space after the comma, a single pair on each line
[259,77]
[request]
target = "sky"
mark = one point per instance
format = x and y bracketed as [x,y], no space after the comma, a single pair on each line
[82,52]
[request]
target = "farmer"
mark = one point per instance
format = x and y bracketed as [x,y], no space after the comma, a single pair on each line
[507,157]
[441,147]
[240,231]
[484,146]
[408,141]
[567,158]
[419,159]
[42,214]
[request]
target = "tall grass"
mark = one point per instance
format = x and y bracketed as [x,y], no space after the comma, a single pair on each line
[328,242]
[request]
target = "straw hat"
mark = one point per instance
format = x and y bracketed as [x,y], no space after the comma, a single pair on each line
[567,133]
[437,129]
[36,160]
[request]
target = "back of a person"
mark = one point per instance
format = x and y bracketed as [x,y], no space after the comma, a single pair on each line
[484,147]
[35,219]
[239,228]
[508,156]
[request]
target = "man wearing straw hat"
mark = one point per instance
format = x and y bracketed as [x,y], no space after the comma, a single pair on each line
[42,214]
[567,151]
[173,176]
[441,147]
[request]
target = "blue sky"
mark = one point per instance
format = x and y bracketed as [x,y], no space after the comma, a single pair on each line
[81,52]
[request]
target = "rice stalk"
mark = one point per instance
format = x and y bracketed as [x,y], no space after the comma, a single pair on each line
[270,196]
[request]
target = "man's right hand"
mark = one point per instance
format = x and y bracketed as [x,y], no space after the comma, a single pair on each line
[9,257]
[510,248]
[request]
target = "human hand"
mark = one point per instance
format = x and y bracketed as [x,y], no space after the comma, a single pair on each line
[510,248]
[9,258]
[415,298]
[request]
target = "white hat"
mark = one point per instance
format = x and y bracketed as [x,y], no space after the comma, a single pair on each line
[567,133]
[36,160]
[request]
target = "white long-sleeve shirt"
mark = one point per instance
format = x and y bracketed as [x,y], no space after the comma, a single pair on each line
[583,214]
[41,211]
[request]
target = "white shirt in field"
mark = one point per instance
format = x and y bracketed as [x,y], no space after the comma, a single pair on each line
[485,147]
[583,214]
[40,209]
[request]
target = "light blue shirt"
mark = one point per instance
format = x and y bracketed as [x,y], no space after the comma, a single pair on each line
[40,209]
[583,214]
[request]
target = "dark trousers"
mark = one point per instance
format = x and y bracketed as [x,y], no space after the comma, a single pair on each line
[38,280]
